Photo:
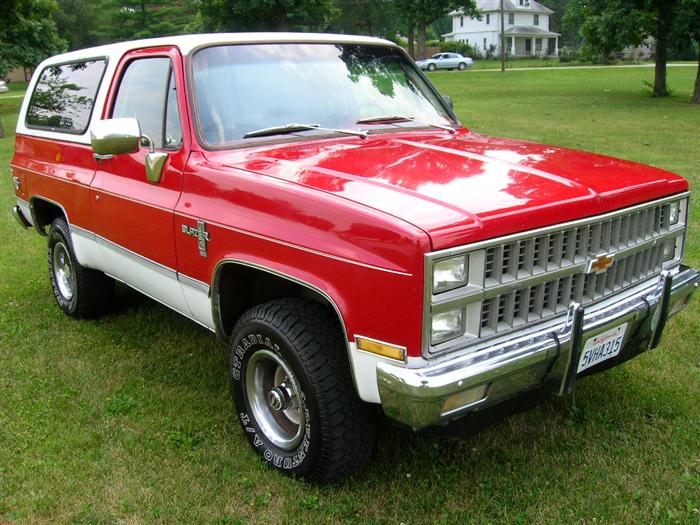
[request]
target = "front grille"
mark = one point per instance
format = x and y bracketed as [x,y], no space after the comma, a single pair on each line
[543,300]
[562,249]
[527,278]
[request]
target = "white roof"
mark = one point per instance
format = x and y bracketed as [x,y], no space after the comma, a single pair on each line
[508,5]
[186,43]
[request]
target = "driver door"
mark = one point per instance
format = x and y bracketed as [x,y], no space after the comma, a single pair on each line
[133,218]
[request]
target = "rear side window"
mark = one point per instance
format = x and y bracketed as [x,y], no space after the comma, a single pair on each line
[64,97]
[147,92]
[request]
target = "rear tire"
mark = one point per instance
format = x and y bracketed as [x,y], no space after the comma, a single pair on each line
[462,66]
[80,292]
[294,393]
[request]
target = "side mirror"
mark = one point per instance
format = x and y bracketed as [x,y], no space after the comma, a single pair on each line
[115,136]
[448,101]
[123,135]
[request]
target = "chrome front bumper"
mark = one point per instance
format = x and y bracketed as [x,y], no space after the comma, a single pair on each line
[421,397]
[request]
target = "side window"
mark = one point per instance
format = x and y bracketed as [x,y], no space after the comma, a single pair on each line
[172,131]
[64,97]
[147,93]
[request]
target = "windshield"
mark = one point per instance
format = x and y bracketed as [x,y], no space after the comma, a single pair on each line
[243,88]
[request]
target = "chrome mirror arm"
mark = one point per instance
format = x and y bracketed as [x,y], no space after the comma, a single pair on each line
[155,161]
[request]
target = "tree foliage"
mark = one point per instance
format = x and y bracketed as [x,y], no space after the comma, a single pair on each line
[78,23]
[612,25]
[421,13]
[368,17]
[266,15]
[133,19]
[28,33]
[570,36]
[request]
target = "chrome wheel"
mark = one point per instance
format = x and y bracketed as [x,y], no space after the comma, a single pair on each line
[63,271]
[274,398]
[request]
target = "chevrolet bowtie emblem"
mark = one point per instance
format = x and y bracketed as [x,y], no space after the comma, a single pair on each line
[200,232]
[600,263]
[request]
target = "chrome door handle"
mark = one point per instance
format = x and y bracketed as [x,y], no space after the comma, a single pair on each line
[100,158]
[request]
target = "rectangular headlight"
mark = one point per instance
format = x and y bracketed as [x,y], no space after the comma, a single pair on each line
[449,274]
[674,212]
[447,325]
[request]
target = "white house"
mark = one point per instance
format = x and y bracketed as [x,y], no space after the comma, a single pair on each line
[526,30]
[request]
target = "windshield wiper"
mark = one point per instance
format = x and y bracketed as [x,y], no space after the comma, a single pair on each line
[397,119]
[294,128]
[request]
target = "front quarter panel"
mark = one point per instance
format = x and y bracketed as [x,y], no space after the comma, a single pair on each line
[369,264]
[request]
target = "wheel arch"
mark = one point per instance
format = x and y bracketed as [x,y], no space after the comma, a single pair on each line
[238,285]
[44,211]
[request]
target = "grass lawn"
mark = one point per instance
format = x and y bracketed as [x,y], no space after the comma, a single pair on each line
[495,63]
[128,419]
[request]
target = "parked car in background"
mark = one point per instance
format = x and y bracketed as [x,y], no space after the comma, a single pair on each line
[447,61]
[3,87]
[314,202]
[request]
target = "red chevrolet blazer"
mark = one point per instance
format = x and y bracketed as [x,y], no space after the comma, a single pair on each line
[315,202]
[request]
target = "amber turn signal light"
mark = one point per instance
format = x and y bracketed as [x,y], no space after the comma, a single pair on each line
[382,349]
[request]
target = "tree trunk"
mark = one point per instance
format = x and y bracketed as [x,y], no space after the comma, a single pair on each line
[282,21]
[368,19]
[663,30]
[143,15]
[696,94]
[421,34]
[411,43]
[660,87]
[2,131]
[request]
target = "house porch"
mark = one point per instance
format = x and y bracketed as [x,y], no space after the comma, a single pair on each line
[532,45]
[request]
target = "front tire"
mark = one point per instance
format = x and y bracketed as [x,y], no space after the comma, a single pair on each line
[80,292]
[294,394]
[432,67]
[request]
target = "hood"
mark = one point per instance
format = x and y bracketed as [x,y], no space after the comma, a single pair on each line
[461,188]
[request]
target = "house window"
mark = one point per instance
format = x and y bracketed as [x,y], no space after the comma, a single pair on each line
[538,44]
[461,21]
[536,19]
[484,44]
[511,18]
[509,45]
[488,19]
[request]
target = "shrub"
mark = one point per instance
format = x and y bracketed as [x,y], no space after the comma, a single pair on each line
[452,46]
[566,54]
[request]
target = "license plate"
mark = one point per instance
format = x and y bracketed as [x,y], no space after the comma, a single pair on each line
[602,347]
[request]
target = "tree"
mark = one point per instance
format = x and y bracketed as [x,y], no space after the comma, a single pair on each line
[569,35]
[612,25]
[687,27]
[78,22]
[368,17]
[28,34]
[133,19]
[421,13]
[266,15]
